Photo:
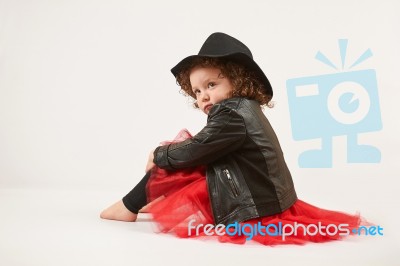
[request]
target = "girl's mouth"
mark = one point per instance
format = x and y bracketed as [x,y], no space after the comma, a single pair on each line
[208,107]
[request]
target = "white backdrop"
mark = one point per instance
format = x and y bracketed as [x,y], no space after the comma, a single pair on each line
[86,90]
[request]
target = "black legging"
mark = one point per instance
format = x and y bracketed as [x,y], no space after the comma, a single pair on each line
[137,198]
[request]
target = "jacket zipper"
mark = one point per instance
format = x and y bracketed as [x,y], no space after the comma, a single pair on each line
[231,183]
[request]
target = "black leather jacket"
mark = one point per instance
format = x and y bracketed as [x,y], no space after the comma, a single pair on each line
[247,176]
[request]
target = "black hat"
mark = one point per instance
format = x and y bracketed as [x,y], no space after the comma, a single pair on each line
[221,45]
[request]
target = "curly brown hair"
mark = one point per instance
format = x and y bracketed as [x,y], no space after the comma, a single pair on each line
[245,83]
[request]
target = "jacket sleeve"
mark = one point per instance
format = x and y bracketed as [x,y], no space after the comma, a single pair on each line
[225,132]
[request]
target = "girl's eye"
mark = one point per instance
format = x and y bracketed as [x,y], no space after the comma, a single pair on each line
[196,92]
[211,84]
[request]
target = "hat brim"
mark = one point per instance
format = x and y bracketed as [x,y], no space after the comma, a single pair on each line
[240,58]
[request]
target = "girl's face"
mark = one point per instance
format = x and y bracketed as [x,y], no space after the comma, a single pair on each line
[209,86]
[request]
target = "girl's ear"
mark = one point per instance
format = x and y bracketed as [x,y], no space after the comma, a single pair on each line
[221,76]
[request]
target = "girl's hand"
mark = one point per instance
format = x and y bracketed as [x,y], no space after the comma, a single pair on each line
[150,163]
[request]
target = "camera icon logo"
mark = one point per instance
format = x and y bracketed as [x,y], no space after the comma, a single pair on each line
[344,103]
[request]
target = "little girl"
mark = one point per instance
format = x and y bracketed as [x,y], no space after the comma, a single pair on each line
[232,173]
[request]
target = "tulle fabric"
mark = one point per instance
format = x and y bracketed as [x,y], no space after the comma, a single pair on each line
[181,202]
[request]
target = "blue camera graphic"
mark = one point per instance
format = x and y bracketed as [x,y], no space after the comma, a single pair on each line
[344,103]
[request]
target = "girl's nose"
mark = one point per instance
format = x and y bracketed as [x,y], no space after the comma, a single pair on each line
[205,96]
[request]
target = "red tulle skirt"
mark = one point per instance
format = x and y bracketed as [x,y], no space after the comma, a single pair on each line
[181,205]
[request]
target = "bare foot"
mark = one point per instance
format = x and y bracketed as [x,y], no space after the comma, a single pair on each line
[118,212]
[147,207]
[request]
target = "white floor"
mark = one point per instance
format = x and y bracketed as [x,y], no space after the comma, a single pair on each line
[62,227]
